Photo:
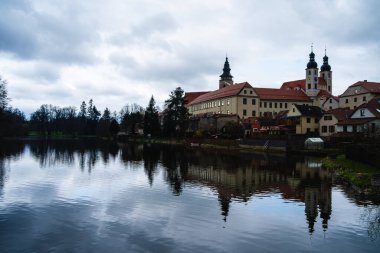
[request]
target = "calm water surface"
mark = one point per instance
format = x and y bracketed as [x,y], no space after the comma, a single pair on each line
[71,196]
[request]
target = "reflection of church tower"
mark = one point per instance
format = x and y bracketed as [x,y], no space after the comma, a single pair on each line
[325,204]
[224,201]
[311,85]
[226,77]
[311,206]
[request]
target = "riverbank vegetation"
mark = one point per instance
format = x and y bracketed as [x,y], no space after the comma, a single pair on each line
[360,175]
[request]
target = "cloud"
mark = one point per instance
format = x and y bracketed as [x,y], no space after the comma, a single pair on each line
[30,33]
[123,52]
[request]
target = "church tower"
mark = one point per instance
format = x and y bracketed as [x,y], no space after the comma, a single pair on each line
[326,73]
[311,85]
[226,77]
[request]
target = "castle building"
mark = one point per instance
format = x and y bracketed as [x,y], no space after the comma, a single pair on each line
[247,101]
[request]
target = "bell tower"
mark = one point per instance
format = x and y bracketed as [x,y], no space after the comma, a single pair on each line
[326,73]
[226,77]
[311,85]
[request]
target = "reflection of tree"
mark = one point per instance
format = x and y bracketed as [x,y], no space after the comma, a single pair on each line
[88,152]
[8,150]
[175,163]
[151,156]
[371,217]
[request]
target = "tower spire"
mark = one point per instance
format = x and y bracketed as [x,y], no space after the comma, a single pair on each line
[226,77]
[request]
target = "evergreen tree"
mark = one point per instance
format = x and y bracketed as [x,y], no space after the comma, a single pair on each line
[176,114]
[151,121]
[83,110]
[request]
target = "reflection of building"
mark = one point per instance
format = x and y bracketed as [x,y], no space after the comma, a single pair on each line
[304,181]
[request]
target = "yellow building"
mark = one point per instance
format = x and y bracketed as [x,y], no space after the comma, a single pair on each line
[358,94]
[306,118]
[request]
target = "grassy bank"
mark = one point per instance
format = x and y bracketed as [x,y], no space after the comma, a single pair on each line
[356,173]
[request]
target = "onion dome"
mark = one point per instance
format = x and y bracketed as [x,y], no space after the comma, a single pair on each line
[312,64]
[325,66]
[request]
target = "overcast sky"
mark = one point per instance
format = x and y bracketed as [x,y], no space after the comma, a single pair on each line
[119,52]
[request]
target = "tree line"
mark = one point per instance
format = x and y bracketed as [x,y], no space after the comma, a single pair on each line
[132,119]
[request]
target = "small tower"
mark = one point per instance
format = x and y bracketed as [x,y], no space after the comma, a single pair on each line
[226,77]
[311,85]
[326,73]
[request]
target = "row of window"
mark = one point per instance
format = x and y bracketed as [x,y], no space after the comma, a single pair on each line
[245,92]
[273,104]
[330,128]
[308,120]
[364,98]
[253,113]
[253,101]
[210,105]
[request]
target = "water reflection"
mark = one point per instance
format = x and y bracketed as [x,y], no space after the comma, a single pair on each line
[233,177]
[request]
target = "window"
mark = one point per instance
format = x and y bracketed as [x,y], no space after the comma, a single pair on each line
[323,75]
[329,88]
[309,86]
[344,129]
[315,120]
[327,117]
[346,100]
[364,98]
[324,129]
[253,113]
[280,105]
[315,86]
[245,91]
[309,72]
[294,110]
[286,105]
[228,102]
[270,104]
[245,112]
[275,105]
[315,72]
[355,99]
[330,100]
[228,111]
[222,102]
[250,92]
[329,75]
[265,104]
[332,129]
[219,103]
[308,120]
[362,113]
[244,101]
[253,101]
[330,107]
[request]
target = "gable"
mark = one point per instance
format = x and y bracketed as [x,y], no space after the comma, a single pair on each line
[362,113]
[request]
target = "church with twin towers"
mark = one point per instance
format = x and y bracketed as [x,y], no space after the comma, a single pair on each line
[247,101]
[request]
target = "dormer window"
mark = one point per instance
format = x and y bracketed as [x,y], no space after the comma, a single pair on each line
[362,113]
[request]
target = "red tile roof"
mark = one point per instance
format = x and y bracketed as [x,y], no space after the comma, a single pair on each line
[324,93]
[291,85]
[279,94]
[300,84]
[228,91]
[370,86]
[373,106]
[340,114]
[190,96]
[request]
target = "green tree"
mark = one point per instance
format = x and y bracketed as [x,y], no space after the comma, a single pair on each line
[176,114]
[151,121]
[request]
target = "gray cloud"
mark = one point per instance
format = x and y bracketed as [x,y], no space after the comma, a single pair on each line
[29,33]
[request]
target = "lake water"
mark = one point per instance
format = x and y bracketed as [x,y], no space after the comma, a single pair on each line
[85,196]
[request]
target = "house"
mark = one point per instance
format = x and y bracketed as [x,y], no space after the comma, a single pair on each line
[364,120]
[305,118]
[359,93]
[330,119]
